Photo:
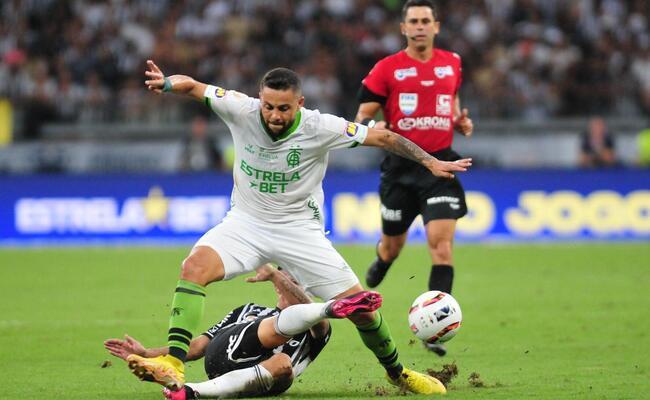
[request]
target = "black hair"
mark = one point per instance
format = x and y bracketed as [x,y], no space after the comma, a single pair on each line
[281,79]
[420,3]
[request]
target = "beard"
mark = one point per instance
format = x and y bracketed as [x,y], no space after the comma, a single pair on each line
[267,126]
[272,128]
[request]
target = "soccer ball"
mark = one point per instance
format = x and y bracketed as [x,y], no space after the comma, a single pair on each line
[435,317]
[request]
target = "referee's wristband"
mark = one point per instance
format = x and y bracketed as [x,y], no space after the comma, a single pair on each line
[168,85]
[369,122]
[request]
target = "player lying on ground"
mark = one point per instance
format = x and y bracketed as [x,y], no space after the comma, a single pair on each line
[281,151]
[257,350]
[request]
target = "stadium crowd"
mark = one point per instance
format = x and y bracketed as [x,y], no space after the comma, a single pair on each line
[533,59]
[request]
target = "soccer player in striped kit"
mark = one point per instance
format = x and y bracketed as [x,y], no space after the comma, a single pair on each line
[257,350]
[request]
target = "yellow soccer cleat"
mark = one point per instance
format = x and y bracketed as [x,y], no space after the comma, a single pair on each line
[165,370]
[418,383]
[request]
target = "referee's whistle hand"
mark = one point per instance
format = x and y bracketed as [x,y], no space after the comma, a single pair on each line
[463,123]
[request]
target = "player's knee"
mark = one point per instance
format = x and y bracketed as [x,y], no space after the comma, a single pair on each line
[193,270]
[442,251]
[279,366]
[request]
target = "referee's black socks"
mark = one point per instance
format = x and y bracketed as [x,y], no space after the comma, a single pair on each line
[441,278]
[377,272]
[381,264]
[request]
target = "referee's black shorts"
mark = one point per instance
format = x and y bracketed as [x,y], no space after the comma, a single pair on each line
[407,190]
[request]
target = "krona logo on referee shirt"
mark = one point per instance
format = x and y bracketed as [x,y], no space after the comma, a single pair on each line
[424,123]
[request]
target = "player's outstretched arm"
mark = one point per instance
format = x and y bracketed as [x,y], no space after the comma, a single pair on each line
[179,84]
[122,348]
[403,147]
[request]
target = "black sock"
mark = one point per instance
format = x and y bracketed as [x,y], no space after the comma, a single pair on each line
[441,278]
[177,352]
[395,372]
[381,264]
[189,393]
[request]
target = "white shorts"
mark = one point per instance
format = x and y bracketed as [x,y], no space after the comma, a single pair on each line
[301,248]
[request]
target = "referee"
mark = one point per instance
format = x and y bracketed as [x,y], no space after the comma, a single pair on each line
[417,90]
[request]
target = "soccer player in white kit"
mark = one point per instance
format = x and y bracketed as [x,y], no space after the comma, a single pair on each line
[281,152]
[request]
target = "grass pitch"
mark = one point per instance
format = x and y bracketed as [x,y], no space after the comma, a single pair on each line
[540,322]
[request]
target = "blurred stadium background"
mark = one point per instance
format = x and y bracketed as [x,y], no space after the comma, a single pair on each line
[74,113]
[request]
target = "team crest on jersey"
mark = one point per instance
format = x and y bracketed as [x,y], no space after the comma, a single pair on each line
[442,72]
[293,157]
[401,74]
[219,92]
[408,103]
[443,104]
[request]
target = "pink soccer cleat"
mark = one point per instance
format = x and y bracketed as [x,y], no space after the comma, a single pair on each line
[174,395]
[186,393]
[365,301]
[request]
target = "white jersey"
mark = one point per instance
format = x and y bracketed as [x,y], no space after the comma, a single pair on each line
[279,180]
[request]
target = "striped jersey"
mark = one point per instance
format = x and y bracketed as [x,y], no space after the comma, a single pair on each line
[302,348]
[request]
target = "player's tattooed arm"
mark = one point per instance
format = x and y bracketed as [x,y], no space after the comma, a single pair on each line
[290,290]
[283,282]
[294,294]
[289,293]
[403,147]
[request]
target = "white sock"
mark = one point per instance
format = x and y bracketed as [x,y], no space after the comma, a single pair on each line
[250,381]
[299,317]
